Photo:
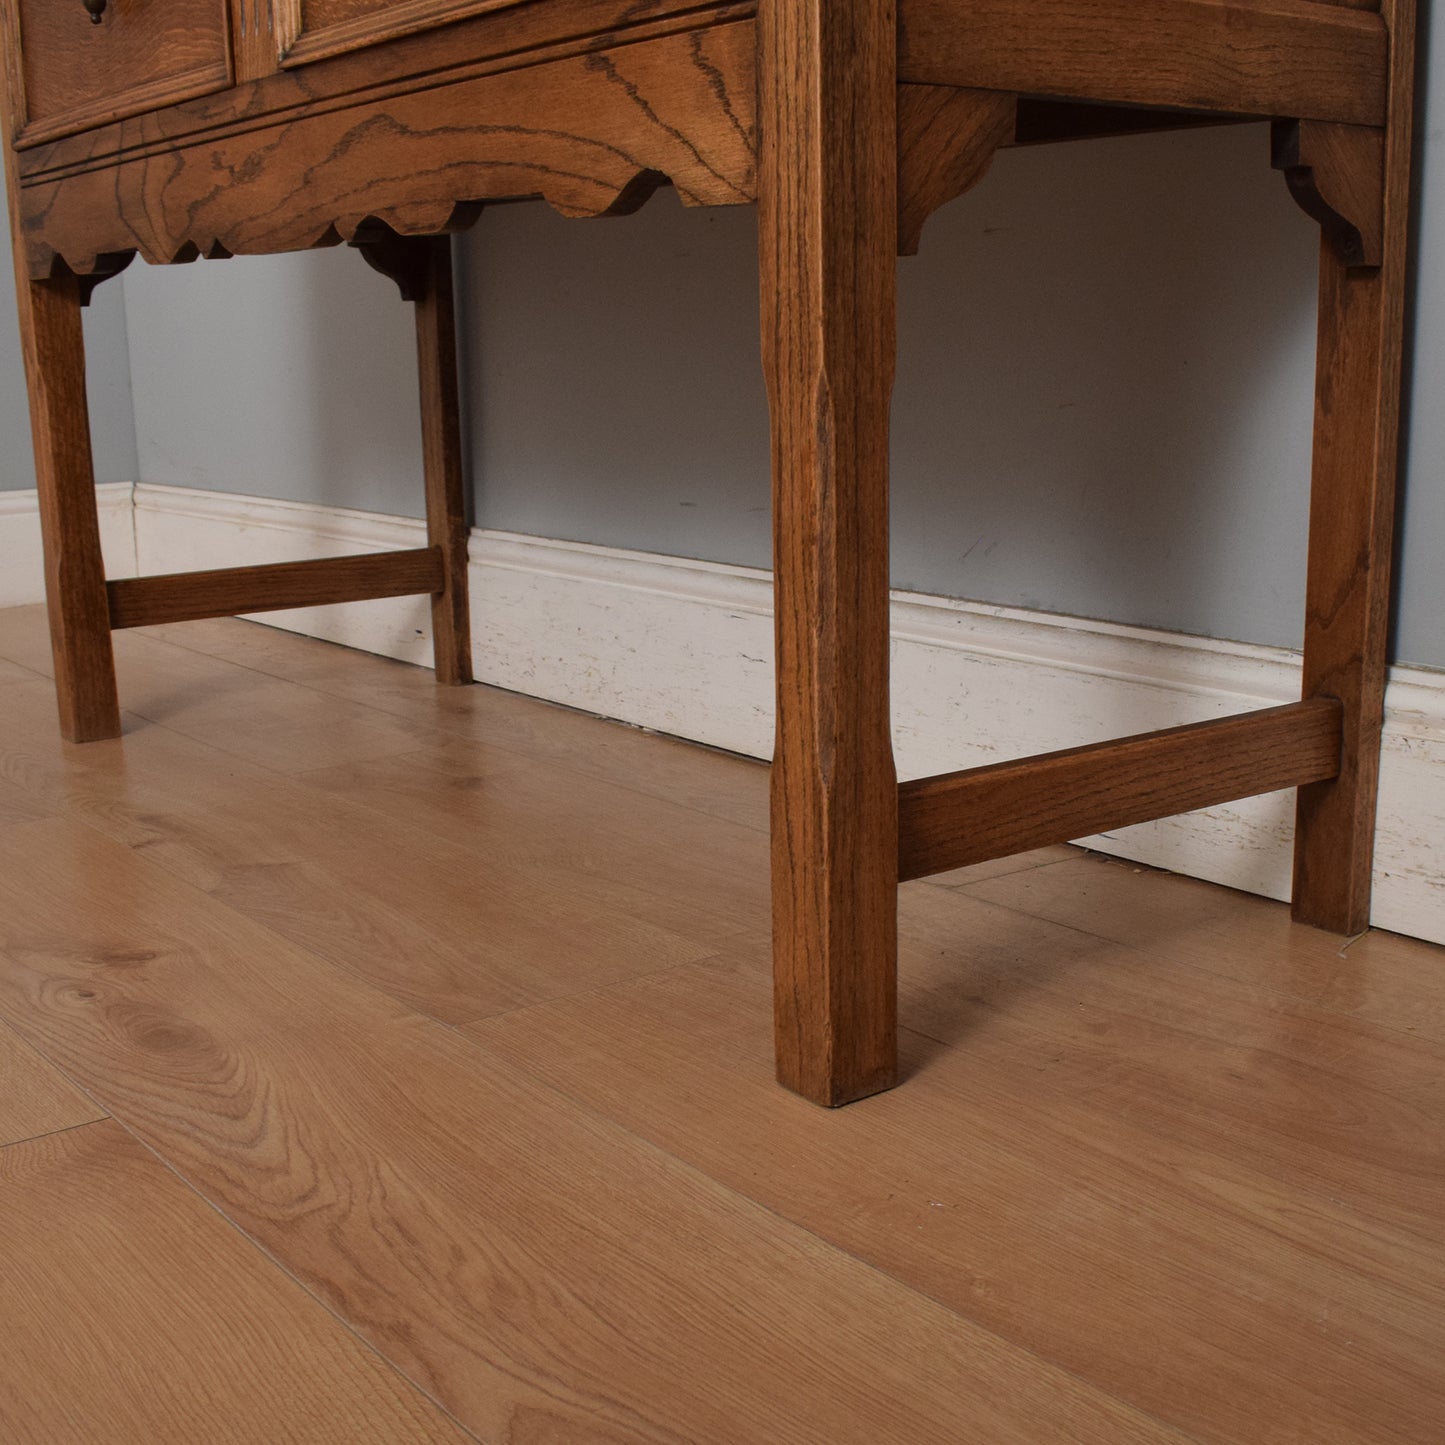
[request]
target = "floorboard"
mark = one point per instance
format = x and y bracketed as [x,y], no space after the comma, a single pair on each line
[1227,1273]
[710,782]
[1380,978]
[393,902]
[134,1312]
[36,1099]
[434,1025]
[543,1274]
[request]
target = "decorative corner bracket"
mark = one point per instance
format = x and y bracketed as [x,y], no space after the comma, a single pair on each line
[1336,173]
[403,259]
[946,142]
[105,267]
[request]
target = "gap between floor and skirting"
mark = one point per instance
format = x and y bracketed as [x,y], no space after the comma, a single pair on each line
[685,647]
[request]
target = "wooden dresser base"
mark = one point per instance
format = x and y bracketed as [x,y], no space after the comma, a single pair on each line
[848,125]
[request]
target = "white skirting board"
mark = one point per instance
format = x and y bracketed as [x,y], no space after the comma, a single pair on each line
[685,647]
[22,563]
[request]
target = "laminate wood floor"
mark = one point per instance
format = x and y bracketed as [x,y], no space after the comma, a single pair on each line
[387,1063]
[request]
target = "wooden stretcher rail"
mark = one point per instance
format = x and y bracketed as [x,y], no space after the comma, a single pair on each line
[1243,57]
[968,817]
[190,596]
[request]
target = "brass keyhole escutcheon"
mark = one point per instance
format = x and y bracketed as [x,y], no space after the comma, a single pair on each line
[95,9]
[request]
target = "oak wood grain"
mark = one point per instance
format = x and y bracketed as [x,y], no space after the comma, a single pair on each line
[495,41]
[1200,1170]
[601,837]
[1067,1174]
[1381,979]
[260,32]
[390,902]
[273,587]
[1352,517]
[446,487]
[28,791]
[828,234]
[544,1275]
[967,817]
[35,1097]
[331,27]
[134,1312]
[592,134]
[143,55]
[946,142]
[53,346]
[280,725]
[716,784]
[1336,174]
[1245,57]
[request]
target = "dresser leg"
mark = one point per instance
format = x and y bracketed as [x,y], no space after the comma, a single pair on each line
[70,525]
[1352,514]
[446,502]
[828,240]
[1352,517]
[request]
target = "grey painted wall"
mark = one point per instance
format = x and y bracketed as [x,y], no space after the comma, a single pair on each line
[289,376]
[1420,579]
[1103,402]
[108,376]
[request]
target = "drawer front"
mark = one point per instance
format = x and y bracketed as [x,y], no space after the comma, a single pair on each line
[72,74]
[323,28]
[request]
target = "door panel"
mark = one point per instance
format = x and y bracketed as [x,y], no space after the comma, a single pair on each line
[143,54]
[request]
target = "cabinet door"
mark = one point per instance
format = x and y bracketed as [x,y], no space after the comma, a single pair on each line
[329,27]
[70,72]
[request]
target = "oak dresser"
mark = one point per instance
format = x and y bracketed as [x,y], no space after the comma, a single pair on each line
[179,129]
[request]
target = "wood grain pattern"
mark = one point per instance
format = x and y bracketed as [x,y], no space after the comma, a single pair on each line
[592,134]
[493,42]
[1230,1057]
[35,1097]
[828,229]
[1186,1152]
[600,838]
[447,521]
[968,817]
[54,349]
[388,901]
[179,596]
[1352,516]
[546,1276]
[331,27]
[1245,57]
[1380,980]
[490,720]
[144,55]
[413,136]
[260,32]
[1139,1171]
[1336,174]
[286,727]
[133,1312]
[946,142]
